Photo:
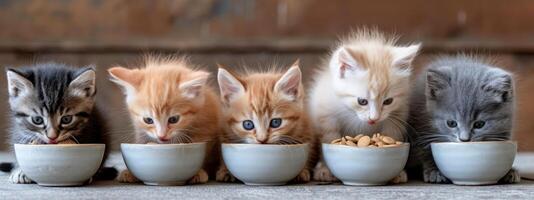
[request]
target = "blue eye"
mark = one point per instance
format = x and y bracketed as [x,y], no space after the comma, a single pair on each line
[452,124]
[37,120]
[363,102]
[275,123]
[148,120]
[67,119]
[248,125]
[174,119]
[479,124]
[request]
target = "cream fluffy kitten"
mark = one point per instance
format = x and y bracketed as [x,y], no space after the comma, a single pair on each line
[364,89]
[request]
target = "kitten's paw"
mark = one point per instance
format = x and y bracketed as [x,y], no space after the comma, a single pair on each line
[511,177]
[323,174]
[127,177]
[200,178]
[303,177]
[401,178]
[223,175]
[433,175]
[18,177]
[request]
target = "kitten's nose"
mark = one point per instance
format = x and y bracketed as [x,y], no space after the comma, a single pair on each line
[262,140]
[163,138]
[464,140]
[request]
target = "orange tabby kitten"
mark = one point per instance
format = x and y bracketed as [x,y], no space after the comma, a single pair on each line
[265,108]
[169,103]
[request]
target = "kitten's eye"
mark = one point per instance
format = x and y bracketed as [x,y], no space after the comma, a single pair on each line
[388,101]
[479,124]
[248,125]
[275,123]
[362,102]
[37,120]
[67,119]
[452,123]
[174,119]
[148,120]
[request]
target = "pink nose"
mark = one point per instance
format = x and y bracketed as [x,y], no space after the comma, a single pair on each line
[163,138]
[262,141]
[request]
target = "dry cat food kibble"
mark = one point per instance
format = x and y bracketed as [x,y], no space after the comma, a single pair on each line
[377,140]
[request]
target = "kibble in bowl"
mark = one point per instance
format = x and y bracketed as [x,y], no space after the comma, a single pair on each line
[365,160]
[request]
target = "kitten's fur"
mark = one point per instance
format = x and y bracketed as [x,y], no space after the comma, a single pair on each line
[52,91]
[465,89]
[162,89]
[262,97]
[367,65]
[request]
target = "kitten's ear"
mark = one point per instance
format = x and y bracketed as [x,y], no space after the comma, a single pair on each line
[343,62]
[403,56]
[437,79]
[191,89]
[128,79]
[230,87]
[84,85]
[288,86]
[500,85]
[18,84]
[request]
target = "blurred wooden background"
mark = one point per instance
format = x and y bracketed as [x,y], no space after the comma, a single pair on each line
[256,33]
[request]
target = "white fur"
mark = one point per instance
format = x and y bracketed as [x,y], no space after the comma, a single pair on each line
[335,93]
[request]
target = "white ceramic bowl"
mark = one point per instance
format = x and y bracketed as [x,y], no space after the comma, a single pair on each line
[364,165]
[61,164]
[164,164]
[264,164]
[474,163]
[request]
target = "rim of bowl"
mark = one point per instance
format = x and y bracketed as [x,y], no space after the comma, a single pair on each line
[177,144]
[476,142]
[347,146]
[60,145]
[264,145]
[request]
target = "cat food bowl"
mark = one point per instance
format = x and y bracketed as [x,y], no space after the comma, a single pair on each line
[265,164]
[474,163]
[362,166]
[164,164]
[61,164]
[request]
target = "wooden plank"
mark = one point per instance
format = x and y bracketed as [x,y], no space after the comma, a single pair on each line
[258,25]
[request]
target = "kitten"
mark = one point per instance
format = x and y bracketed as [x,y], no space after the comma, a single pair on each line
[364,89]
[460,99]
[265,108]
[52,103]
[169,102]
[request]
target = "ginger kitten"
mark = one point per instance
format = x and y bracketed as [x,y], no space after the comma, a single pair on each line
[265,108]
[364,89]
[169,102]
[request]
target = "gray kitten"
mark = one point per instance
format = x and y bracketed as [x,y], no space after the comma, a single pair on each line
[460,99]
[51,103]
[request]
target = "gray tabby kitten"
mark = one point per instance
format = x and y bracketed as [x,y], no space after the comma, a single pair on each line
[51,103]
[460,99]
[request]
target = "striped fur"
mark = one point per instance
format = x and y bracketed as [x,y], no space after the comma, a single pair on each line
[260,98]
[167,87]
